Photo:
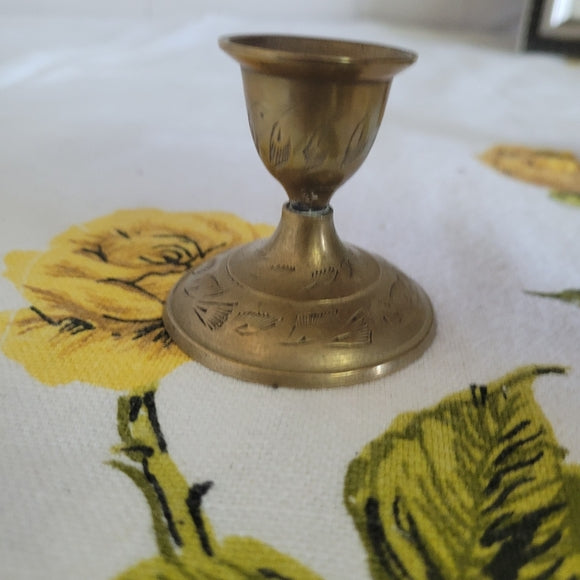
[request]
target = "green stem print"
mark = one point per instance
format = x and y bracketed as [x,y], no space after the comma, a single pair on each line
[475,487]
[188,548]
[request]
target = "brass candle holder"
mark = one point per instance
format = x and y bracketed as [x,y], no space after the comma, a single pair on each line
[302,308]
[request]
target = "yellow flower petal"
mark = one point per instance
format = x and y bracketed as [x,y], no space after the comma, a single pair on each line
[59,353]
[18,265]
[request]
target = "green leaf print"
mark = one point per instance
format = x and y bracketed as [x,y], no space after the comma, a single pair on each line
[567,197]
[475,487]
[188,548]
[572,295]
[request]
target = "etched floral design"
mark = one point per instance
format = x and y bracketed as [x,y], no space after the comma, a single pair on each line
[96,295]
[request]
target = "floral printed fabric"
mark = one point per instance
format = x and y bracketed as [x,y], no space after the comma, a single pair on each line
[493,449]
[462,465]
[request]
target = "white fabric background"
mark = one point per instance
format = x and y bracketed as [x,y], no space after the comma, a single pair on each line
[98,115]
[444,13]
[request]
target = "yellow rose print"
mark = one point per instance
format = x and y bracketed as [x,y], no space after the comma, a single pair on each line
[96,296]
[558,170]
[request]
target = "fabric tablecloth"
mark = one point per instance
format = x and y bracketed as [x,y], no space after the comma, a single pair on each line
[125,159]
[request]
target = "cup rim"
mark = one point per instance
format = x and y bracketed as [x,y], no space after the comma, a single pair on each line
[283,49]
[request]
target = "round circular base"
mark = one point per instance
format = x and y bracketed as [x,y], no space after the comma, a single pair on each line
[259,315]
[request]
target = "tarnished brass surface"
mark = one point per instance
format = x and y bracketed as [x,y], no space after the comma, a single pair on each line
[301,308]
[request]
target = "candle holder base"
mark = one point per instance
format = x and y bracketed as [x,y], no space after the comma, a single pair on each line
[300,309]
